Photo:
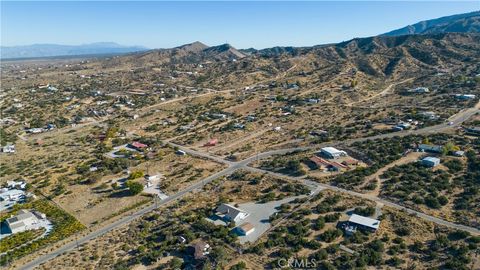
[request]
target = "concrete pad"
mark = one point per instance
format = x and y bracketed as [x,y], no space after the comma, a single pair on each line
[259,217]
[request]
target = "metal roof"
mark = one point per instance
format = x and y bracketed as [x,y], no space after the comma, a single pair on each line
[364,221]
[332,150]
[431,159]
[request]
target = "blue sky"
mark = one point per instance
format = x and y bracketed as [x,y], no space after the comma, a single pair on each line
[243,24]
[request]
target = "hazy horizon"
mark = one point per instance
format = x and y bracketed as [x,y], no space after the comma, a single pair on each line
[241,24]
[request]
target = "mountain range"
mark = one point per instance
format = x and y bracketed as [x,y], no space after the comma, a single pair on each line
[459,23]
[47,50]
[197,51]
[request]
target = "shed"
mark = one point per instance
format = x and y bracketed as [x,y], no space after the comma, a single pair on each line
[431,161]
[430,148]
[331,152]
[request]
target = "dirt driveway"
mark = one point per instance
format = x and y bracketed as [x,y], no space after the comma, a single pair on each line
[408,158]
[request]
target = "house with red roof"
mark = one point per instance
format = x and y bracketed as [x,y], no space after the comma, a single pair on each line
[138,146]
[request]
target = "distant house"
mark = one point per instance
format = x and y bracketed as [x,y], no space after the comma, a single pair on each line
[419,90]
[336,166]
[230,213]
[138,146]
[464,96]
[319,163]
[218,116]
[35,130]
[293,86]
[250,118]
[152,177]
[52,88]
[397,128]
[313,100]
[200,250]
[323,164]
[429,115]
[431,161]
[357,222]
[404,125]
[211,142]
[246,228]
[8,148]
[22,221]
[319,133]
[186,127]
[430,148]
[238,126]
[16,184]
[332,153]
[180,152]
[12,195]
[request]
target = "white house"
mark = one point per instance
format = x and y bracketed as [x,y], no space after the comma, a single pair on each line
[22,221]
[363,223]
[331,152]
[16,184]
[12,195]
[152,177]
[35,130]
[419,90]
[8,148]
[218,116]
[231,213]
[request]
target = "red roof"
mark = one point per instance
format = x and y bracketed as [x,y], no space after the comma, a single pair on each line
[336,164]
[139,145]
[212,142]
[320,161]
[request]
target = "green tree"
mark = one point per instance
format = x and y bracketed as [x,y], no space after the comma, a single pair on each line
[134,187]
[239,266]
[135,175]
[175,263]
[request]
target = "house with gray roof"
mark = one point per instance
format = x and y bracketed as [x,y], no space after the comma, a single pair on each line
[22,221]
[230,213]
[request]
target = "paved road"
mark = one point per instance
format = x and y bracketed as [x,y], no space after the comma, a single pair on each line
[125,220]
[233,166]
[375,199]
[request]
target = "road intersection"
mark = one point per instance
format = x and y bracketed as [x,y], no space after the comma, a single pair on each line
[453,121]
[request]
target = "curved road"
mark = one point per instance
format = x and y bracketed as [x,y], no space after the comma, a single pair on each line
[233,166]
